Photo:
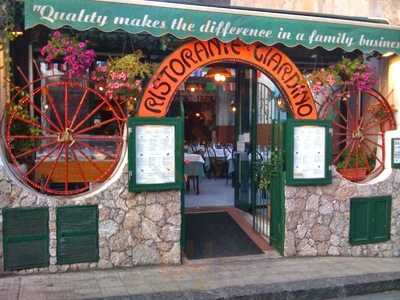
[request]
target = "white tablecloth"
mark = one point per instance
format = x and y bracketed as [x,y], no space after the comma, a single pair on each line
[193,158]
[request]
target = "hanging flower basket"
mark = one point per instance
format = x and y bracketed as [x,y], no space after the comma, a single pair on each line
[71,56]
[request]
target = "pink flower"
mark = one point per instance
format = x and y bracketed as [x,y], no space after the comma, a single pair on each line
[330,79]
[56,34]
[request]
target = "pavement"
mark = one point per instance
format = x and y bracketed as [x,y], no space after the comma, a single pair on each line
[250,277]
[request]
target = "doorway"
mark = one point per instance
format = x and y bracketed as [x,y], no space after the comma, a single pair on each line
[226,124]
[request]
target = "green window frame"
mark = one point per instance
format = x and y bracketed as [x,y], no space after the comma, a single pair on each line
[370,219]
[77,234]
[177,123]
[290,125]
[395,153]
[25,238]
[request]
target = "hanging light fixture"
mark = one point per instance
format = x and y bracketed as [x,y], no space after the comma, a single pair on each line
[219,74]
[194,87]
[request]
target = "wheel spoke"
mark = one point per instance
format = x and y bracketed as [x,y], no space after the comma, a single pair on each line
[337,109]
[372,152]
[79,166]
[32,137]
[78,108]
[373,142]
[366,160]
[339,125]
[42,160]
[372,124]
[38,110]
[347,159]
[35,149]
[98,125]
[104,138]
[95,149]
[66,148]
[336,159]
[66,125]
[88,116]
[51,102]
[89,159]
[342,140]
[54,166]
[33,123]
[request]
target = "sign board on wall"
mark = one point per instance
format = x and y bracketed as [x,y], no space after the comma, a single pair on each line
[308,149]
[155,152]
[396,153]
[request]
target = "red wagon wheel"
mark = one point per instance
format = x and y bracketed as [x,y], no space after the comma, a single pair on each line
[74,139]
[359,124]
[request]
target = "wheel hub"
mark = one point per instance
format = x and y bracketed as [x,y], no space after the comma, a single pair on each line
[357,134]
[66,136]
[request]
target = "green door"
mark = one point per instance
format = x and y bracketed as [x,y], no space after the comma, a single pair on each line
[267,143]
[277,222]
[242,174]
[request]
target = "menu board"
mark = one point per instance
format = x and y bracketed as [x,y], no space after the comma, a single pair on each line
[155,154]
[308,145]
[309,152]
[396,153]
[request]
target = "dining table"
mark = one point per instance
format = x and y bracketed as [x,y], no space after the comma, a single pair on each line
[194,170]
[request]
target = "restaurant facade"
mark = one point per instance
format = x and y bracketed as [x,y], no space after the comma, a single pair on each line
[88,182]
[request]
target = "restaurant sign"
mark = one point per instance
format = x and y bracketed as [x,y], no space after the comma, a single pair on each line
[204,23]
[177,67]
[155,154]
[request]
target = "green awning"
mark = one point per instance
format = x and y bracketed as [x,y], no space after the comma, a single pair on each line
[226,24]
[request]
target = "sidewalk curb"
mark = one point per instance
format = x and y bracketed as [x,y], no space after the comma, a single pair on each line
[298,290]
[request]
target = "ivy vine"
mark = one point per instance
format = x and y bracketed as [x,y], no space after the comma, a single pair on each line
[269,169]
[8,32]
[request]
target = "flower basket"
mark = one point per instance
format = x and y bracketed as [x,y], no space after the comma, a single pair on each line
[354,174]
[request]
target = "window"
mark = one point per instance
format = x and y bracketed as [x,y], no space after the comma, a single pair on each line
[26,238]
[77,234]
[370,219]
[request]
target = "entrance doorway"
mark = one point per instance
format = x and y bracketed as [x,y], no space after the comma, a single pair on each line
[258,193]
[232,130]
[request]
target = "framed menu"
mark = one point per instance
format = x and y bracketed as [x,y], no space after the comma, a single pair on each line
[396,153]
[309,152]
[155,151]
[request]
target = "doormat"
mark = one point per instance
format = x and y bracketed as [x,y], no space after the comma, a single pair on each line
[211,235]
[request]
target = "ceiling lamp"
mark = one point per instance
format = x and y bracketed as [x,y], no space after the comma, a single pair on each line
[387,54]
[219,74]
[194,87]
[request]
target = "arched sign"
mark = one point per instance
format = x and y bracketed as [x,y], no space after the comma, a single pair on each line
[195,54]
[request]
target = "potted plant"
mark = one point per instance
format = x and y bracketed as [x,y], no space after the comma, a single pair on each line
[353,166]
[120,79]
[73,56]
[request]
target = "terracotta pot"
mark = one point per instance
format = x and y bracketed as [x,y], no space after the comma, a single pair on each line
[354,174]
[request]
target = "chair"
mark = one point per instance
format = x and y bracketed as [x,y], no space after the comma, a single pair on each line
[228,155]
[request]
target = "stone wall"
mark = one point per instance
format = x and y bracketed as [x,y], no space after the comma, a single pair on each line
[134,229]
[317,218]
[387,9]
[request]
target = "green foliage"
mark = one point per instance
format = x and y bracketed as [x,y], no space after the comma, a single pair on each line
[268,169]
[355,160]
[22,128]
[132,65]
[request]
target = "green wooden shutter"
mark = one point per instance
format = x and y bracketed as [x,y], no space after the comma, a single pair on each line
[380,209]
[26,238]
[370,219]
[77,234]
[359,232]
